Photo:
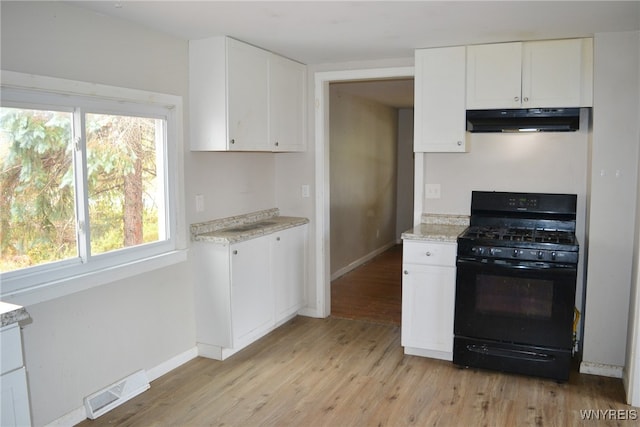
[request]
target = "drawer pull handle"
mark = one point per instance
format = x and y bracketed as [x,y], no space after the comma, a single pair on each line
[428,254]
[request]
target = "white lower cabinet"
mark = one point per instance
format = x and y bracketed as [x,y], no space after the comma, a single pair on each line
[251,295]
[14,396]
[289,254]
[244,290]
[428,298]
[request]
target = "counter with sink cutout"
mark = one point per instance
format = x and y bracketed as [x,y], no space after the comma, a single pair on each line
[243,227]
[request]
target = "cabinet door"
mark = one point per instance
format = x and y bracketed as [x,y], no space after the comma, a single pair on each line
[286,104]
[247,97]
[552,74]
[289,258]
[494,74]
[428,294]
[251,290]
[14,399]
[439,122]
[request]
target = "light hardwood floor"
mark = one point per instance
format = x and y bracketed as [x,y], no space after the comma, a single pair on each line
[338,372]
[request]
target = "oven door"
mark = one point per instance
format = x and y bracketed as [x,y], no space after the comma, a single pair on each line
[515,302]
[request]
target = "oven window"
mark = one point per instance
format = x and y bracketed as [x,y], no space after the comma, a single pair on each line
[513,296]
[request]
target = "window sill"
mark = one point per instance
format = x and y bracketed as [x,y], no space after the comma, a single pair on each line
[68,286]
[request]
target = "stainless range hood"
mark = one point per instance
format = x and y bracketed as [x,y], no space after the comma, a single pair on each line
[524,120]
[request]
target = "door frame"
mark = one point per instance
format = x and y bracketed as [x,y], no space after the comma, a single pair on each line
[322,208]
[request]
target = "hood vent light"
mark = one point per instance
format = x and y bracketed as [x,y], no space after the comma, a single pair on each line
[524,120]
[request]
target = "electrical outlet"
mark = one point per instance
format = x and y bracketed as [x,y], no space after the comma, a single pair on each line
[305,190]
[432,191]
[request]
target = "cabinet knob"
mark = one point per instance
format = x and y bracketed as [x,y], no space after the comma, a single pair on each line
[428,254]
[278,239]
[525,99]
[235,252]
[233,141]
[459,143]
[277,143]
[516,98]
[405,272]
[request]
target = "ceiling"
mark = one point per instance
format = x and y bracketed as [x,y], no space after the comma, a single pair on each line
[317,32]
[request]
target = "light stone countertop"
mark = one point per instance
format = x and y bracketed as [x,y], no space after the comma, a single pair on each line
[11,313]
[243,227]
[438,228]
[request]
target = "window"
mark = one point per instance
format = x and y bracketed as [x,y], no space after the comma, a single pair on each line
[85,183]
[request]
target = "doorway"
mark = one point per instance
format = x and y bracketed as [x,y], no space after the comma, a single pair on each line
[323,172]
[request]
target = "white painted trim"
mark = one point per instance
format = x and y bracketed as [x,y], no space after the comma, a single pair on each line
[71,418]
[171,364]
[432,354]
[80,414]
[418,185]
[322,217]
[44,285]
[357,263]
[68,286]
[601,369]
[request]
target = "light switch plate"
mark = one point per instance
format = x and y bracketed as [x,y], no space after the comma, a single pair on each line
[199,203]
[305,190]
[432,191]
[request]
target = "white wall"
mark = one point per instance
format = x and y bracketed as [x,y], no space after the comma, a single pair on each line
[612,207]
[363,162]
[78,344]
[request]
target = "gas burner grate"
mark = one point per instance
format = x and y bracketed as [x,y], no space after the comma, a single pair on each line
[533,235]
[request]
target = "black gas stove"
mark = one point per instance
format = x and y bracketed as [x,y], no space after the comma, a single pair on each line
[515,284]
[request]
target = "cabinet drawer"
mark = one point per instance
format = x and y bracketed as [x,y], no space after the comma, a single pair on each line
[430,253]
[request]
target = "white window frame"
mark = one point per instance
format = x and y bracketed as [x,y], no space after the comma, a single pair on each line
[53,280]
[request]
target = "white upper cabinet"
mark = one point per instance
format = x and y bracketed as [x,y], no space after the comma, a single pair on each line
[541,74]
[248,92]
[243,98]
[494,75]
[287,104]
[439,110]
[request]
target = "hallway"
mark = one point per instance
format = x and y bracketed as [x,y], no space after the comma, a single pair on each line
[371,292]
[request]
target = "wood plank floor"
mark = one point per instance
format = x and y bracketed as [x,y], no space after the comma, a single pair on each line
[372,291]
[338,372]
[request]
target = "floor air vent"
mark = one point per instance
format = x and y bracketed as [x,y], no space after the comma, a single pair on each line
[116,394]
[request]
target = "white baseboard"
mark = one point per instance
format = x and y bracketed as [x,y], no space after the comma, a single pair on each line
[72,418]
[601,369]
[433,354]
[171,364]
[357,263]
[79,414]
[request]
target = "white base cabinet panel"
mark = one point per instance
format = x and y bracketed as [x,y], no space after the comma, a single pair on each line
[14,394]
[244,290]
[428,299]
[289,254]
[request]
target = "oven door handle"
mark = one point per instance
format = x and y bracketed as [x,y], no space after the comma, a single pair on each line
[514,265]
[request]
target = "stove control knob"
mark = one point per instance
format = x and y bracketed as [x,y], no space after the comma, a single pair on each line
[540,254]
[492,252]
[478,251]
[516,253]
[553,255]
